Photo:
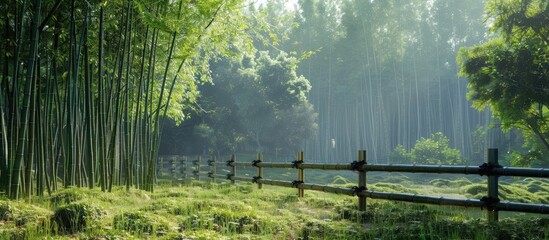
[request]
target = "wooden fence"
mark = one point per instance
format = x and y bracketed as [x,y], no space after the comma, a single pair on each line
[491,169]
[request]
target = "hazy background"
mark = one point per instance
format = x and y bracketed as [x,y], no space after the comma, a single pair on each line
[379,73]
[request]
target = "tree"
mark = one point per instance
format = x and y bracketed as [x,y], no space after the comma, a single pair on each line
[277,97]
[257,100]
[510,74]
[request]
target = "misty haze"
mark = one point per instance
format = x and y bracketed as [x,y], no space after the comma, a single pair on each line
[274,119]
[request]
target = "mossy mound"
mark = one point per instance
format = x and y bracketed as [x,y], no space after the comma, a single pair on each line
[341,181]
[67,196]
[389,178]
[74,217]
[516,192]
[390,187]
[438,182]
[140,223]
[474,190]
[19,220]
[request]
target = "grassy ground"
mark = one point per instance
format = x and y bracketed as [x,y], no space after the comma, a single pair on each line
[200,210]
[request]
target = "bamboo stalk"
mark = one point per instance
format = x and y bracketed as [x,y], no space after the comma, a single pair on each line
[114,141]
[126,121]
[100,121]
[30,81]
[29,159]
[89,122]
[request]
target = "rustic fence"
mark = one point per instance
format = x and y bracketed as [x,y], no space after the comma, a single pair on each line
[491,169]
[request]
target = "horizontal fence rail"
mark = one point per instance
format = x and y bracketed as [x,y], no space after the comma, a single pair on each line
[491,169]
[409,168]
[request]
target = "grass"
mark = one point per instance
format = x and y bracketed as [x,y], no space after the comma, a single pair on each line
[201,210]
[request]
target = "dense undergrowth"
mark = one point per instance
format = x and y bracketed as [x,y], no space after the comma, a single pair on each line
[200,210]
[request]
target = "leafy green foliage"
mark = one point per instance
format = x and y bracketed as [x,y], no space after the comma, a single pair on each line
[509,74]
[6,211]
[255,101]
[98,83]
[432,150]
[399,155]
[276,111]
[527,159]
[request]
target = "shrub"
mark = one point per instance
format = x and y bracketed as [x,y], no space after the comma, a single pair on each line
[74,217]
[399,155]
[5,211]
[435,150]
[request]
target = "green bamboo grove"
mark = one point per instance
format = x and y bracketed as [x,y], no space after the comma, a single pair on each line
[85,85]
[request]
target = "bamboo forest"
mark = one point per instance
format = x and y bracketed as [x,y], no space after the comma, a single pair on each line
[128,119]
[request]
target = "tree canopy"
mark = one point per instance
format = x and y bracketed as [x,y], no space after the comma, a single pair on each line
[510,74]
[258,100]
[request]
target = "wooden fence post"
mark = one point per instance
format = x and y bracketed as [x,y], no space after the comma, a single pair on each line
[173,166]
[259,170]
[184,168]
[493,193]
[300,174]
[196,171]
[160,166]
[361,180]
[233,168]
[213,169]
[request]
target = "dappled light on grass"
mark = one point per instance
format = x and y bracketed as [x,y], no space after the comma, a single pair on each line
[201,210]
